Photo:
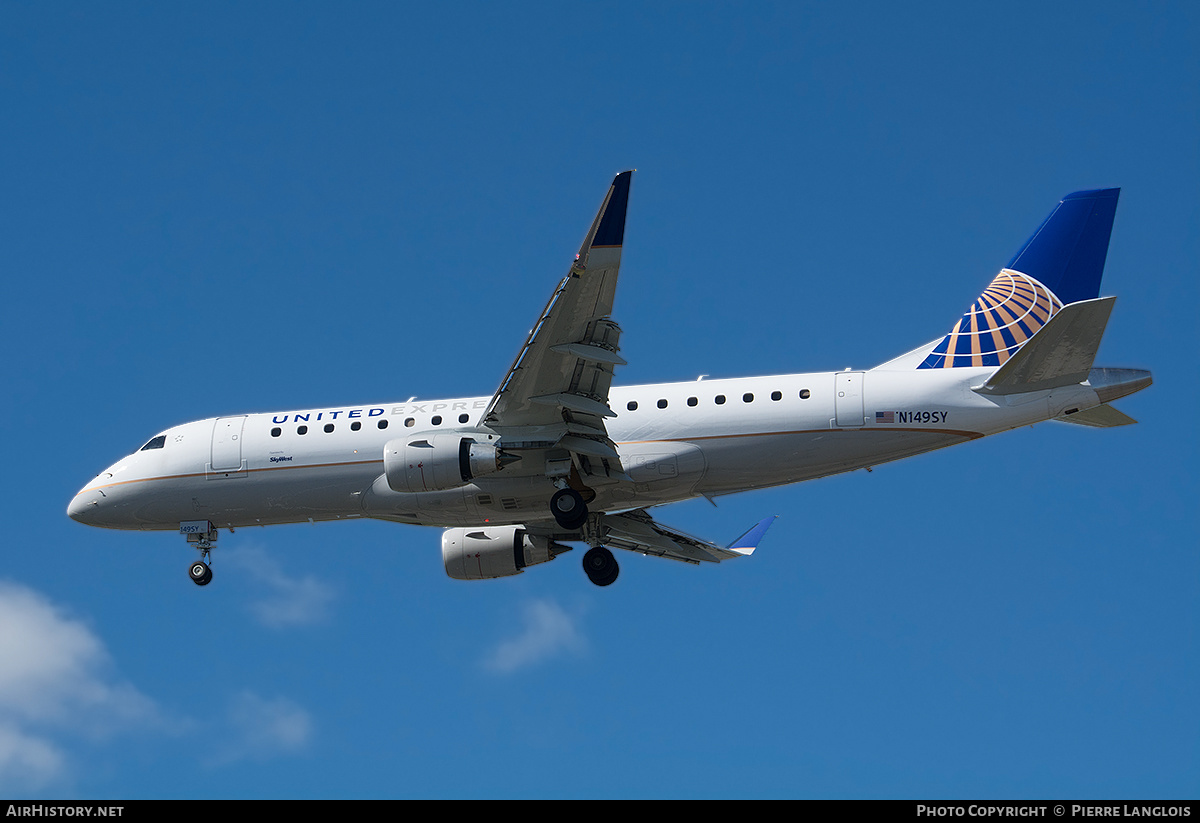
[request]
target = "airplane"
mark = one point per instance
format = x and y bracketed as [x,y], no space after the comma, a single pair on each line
[559,455]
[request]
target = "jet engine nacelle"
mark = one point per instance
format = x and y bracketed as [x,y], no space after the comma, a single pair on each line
[495,551]
[433,462]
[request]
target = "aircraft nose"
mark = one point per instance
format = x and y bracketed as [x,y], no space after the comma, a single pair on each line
[82,507]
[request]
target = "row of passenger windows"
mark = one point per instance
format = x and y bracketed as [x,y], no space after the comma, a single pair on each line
[357,424]
[436,420]
[720,399]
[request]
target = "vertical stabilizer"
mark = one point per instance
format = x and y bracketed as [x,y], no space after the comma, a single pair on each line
[1062,263]
[1067,252]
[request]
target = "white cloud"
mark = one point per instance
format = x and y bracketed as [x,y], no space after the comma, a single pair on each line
[294,600]
[28,763]
[56,679]
[547,630]
[59,687]
[263,728]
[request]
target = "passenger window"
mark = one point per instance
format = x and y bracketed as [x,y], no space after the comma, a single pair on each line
[805,394]
[776,395]
[437,420]
[328,428]
[275,432]
[302,430]
[383,424]
[463,418]
[662,404]
[156,443]
[719,400]
[631,405]
[409,423]
[692,401]
[356,425]
[747,398]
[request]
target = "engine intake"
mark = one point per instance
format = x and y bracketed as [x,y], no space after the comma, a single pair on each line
[433,462]
[495,551]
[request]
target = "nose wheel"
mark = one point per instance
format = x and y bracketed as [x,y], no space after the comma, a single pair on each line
[600,566]
[200,573]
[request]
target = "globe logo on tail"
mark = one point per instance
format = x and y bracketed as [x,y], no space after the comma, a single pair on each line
[1008,313]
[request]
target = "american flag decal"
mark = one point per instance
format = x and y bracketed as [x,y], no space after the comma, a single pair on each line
[885,417]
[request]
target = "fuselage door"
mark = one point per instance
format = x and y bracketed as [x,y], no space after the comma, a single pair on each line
[227,444]
[848,398]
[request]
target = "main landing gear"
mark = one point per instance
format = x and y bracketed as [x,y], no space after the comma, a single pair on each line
[568,508]
[600,566]
[203,535]
[571,513]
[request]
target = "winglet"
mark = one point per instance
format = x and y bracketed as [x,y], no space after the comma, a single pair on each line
[611,231]
[748,542]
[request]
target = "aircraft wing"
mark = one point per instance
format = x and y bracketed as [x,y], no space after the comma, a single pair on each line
[555,394]
[636,531]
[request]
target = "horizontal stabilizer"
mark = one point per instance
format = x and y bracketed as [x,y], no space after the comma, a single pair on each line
[1113,384]
[1060,354]
[1103,416]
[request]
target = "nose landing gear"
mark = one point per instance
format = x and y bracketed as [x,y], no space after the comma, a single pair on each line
[203,534]
[200,573]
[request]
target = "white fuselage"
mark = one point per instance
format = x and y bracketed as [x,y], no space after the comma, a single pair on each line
[679,441]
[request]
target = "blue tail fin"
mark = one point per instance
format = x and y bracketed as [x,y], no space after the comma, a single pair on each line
[1062,263]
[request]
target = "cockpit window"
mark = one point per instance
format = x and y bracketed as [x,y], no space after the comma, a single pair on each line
[156,443]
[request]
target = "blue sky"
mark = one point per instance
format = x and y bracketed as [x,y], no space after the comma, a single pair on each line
[219,208]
